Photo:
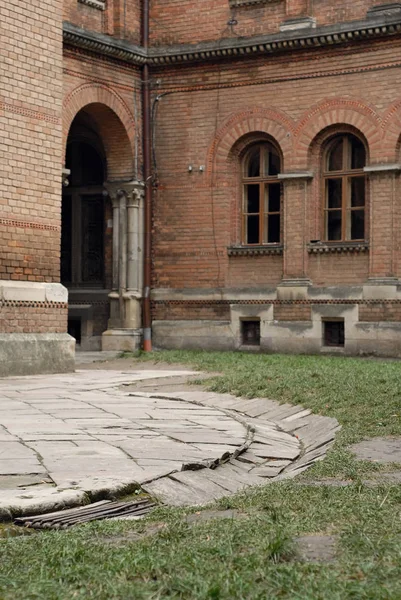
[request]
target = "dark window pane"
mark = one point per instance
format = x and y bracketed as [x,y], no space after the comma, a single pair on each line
[334,193]
[274,191]
[335,159]
[273,232]
[334,225]
[357,224]
[334,333]
[92,239]
[252,198]
[253,165]
[357,191]
[274,161]
[66,239]
[252,230]
[251,333]
[358,154]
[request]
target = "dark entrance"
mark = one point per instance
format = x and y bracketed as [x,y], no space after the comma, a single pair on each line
[83,234]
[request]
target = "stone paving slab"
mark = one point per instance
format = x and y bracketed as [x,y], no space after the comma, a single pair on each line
[73,437]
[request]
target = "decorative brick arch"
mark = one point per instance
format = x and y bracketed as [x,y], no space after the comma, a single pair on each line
[391,126]
[338,112]
[249,122]
[114,120]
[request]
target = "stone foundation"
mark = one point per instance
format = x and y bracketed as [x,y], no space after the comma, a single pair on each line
[33,325]
[35,353]
[290,319]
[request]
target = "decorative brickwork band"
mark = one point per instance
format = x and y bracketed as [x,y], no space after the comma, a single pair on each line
[28,224]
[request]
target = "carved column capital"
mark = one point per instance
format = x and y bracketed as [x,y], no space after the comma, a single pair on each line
[133,191]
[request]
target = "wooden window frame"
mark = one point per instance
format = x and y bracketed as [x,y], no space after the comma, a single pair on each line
[263,181]
[346,176]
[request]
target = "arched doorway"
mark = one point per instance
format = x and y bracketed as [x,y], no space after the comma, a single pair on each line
[85,241]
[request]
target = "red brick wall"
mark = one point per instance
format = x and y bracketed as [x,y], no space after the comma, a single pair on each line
[121,18]
[380,312]
[292,312]
[30,141]
[184,21]
[33,317]
[193,310]
[298,100]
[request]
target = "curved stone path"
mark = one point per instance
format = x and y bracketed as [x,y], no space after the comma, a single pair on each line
[67,439]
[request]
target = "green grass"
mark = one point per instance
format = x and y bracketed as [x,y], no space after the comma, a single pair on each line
[254,557]
[364,395]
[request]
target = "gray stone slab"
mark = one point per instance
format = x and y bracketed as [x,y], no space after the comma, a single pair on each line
[16,450]
[173,492]
[380,449]
[20,466]
[226,482]
[208,490]
[275,451]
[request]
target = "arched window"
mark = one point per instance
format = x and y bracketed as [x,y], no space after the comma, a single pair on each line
[261,213]
[344,189]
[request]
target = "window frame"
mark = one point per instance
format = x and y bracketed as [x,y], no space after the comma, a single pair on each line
[263,182]
[346,175]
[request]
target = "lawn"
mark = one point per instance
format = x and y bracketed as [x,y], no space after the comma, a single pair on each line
[253,556]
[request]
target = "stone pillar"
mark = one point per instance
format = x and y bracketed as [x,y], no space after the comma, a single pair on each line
[384,223]
[294,234]
[125,323]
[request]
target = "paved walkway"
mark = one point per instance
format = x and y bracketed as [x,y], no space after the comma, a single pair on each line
[67,439]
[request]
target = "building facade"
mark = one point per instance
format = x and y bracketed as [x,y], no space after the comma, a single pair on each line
[273,181]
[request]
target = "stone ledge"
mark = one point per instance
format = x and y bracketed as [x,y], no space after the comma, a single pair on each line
[237,3]
[337,248]
[36,353]
[98,4]
[27,291]
[254,251]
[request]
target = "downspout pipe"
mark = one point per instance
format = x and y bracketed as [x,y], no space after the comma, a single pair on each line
[147,172]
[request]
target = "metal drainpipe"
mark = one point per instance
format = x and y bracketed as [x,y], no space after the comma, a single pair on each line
[147,168]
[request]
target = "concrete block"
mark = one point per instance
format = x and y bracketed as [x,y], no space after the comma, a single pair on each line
[35,353]
[55,292]
[23,291]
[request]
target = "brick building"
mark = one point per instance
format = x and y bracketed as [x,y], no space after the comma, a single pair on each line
[273,182]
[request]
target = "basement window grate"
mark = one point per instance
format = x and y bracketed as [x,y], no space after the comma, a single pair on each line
[250,332]
[333,333]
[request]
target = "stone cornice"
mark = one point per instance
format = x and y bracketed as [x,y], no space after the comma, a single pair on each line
[380,26]
[98,4]
[103,44]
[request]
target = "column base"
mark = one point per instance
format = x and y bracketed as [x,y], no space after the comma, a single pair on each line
[123,340]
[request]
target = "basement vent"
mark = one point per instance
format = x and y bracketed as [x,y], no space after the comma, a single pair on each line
[333,333]
[250,333]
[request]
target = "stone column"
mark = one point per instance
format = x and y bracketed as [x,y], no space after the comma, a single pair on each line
[124,327]
[294,235]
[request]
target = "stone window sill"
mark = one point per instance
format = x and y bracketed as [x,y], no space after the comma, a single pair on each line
[235,3]
[338,247]
[255,250]
[98,4]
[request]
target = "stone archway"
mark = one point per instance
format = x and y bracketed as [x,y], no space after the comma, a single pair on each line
[101,252]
